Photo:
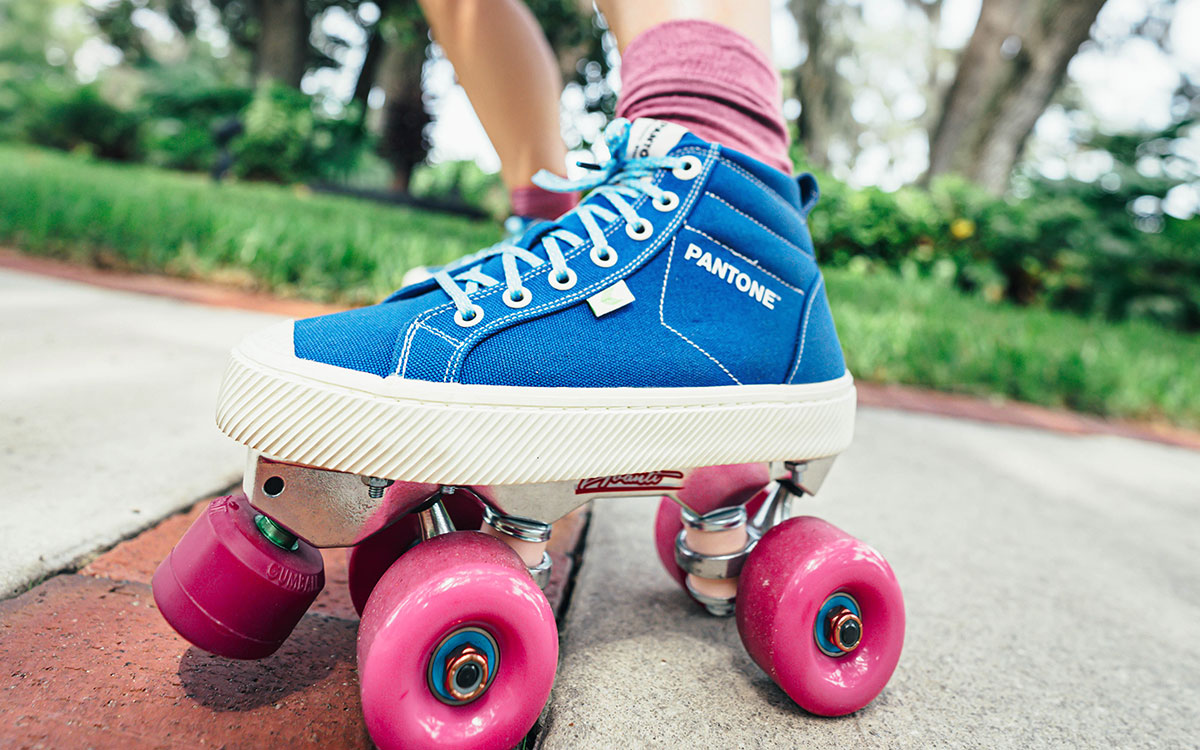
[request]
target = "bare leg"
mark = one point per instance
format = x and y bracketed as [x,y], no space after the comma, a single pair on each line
[509,72]
[629,18]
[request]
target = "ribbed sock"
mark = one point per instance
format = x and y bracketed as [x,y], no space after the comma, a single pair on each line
[712,81]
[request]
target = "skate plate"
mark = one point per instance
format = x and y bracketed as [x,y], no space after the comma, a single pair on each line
[338,509]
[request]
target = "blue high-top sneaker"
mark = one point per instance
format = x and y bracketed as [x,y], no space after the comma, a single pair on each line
[676,318]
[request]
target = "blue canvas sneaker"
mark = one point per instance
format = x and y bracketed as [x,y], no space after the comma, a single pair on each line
[676,318]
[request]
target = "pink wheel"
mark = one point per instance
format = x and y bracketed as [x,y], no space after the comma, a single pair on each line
[822,614]
[237,584]
[707,489]
[457,648]
[367,561]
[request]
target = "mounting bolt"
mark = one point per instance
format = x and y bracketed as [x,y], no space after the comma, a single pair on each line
[376,486]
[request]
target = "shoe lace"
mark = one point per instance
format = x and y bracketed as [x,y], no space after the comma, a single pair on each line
[618,180]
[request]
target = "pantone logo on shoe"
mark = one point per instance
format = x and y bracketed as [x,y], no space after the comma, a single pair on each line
[730,273]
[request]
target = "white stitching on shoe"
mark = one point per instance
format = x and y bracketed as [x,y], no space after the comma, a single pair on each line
[764,227]
[445,337]
[754,263]
[804,329]
[762,185]
[661,299]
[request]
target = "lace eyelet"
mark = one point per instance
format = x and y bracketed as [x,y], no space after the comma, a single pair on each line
[608,259]
[520,301]
[475,319]
[640,229]
[691,168]
[564,284]
[669,203]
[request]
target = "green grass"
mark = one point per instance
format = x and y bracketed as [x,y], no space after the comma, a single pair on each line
[283,239]
[918,332]
[914,331]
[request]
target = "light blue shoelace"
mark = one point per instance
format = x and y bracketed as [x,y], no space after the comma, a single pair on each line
[618,180]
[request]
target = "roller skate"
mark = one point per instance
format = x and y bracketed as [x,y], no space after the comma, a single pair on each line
[669,338]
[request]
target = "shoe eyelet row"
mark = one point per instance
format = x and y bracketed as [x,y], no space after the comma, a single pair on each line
[604,257]
[475,318]
[668,203]
[563,280]
[691,168]
[639,230]
[519,300]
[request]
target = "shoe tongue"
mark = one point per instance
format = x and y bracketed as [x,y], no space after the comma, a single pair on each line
[648,137]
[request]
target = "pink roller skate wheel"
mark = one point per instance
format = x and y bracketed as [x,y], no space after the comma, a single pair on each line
[367,561]
[792,587]
[461,584]
[230,591]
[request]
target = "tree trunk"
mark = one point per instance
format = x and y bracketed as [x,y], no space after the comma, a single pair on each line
[402,139]
[824,102]
[281,51]
[1015,62]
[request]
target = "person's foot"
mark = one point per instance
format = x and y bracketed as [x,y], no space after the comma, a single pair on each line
[675,318]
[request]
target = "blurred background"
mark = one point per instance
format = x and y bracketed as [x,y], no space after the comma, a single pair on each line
[1019,225]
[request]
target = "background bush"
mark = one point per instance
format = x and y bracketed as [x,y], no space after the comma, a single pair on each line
[1066,245]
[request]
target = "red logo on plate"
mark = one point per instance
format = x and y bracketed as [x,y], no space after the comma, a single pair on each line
[631,482]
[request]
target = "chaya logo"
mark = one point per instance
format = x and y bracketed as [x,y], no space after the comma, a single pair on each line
[658,480]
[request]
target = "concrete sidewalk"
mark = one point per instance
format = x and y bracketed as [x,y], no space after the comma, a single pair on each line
[1051,580]
[1052,592]
[106,417]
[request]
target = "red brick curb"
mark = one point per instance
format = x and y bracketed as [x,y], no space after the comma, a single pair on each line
[1019,414]
[93,664]
[187,290]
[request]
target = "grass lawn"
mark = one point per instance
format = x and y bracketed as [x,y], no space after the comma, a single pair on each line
[286,240]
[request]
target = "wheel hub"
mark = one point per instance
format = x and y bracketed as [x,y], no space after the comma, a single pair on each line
[463,666]
[839,628]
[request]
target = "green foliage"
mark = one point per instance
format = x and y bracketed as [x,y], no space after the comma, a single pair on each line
[288,139]
[461,182]
[181,121]
[262,236]
[919,332]
[894,329]
[76,117]
[1067,245]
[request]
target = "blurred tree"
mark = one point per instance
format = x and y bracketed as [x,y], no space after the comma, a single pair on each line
[1013,65]
[825,98]
[402,139]
[281,49]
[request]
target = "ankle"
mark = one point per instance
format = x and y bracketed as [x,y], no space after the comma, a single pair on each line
[711,80]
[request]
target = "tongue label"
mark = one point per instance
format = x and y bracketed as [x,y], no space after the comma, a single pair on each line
[649,137]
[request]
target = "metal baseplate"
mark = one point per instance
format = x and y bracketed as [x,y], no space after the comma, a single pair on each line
[338,509]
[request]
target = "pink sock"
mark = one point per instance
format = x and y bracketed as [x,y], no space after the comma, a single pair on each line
[533,202]
[711,80]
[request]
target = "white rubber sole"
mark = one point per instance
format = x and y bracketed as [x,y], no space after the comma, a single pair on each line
[449,433]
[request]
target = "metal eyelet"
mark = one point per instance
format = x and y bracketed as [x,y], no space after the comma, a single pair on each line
[475,319]
[691,168]
[640,229]
[669,203]
[524,298]
[563,284]
[604,261]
